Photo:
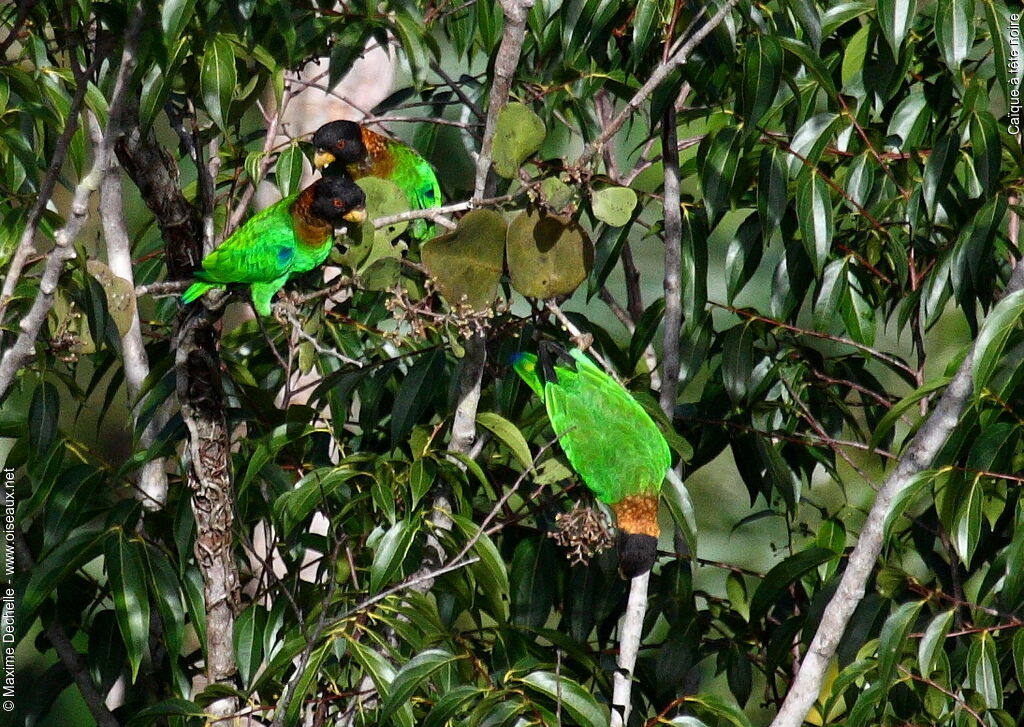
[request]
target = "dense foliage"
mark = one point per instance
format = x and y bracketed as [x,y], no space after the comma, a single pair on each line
[849,189]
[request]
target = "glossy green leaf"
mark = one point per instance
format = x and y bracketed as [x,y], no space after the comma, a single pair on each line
[809,142]
[390,554]
[312,491]
[993,336]
[508,433]
[717,706]
[531,582]
[248,641]
[986,151]
[896,17]
[489,570]
[966,527]
[933,641]
[777,581]
[772,181]
[288,170]
[174,16]
[168,708]
[217,78]
[893,638]
[762,75]
[518,133]
[415,394]
[938,170]
[677,497]
[43,416]
[126,569]
[412,674]
[718,160]
[905,498]
[814,212]
[983,669]
[954,31]
[578,702]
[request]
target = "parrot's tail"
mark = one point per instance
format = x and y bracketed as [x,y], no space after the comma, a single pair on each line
[196,290]
[637,520]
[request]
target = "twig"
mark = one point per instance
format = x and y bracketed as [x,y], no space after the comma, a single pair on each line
[672,283]
[162,287]
[580,336]
[919,456]
[24,347]
[437,213]
[656,78]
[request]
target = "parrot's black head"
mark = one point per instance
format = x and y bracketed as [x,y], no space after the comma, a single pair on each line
[637,553]
[338,141]
[338,199]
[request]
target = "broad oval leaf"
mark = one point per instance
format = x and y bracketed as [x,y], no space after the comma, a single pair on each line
[614,205]
[518,133]
[548,255]
[467,262]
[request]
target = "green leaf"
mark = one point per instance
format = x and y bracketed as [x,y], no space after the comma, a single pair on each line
[548,255]
[810,141]
[174,16]
[578,702]
[614,205]
[967,522]
[390,553]
[518,133]
[904,405]
[933,641]
[777,581]
[1018,654]
[896,17]
[995,332]
[557,195]
[125,565]
[509,434]
[717,706]
[954,31]
[762,75]
[412,674]
[248,641]
[288,170]
[383,675]
[814,213]
[531,582]
[217,78]
[451,702]
[467,263]
[986,152]
[490,573]
[938,170]
[167,708]
[772,182]
[43,416]
[164,581]
[983,670]
[416,394]
[903,499]
[313,491]
[893,637]
[718,160]
[677,497]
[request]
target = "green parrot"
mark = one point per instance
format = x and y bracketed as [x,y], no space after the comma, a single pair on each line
[289,237]
[609,440]
[365,153]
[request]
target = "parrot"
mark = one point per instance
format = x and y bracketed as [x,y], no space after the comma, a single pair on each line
[609,439]
[364,153]
[289,237]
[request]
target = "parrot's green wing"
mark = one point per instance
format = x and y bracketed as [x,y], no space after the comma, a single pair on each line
[261,251]
[414,176]
[609,439]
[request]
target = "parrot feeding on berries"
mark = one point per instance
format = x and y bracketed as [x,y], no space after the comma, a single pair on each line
[344,146]
[609,439]
[289,237]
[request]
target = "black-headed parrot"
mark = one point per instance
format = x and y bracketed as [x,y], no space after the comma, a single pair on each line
[609,440]
[289,237]
[345,146]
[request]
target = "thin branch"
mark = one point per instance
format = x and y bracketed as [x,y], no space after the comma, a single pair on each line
[919,456]
[26,247]
[438,213]
[629,646]
[656,78]
[24,349]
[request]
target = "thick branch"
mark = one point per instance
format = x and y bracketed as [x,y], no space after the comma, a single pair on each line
[919,456]
[629,645]
[673,266]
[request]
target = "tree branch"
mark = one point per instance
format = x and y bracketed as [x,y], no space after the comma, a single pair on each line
[24,347]
[919,456]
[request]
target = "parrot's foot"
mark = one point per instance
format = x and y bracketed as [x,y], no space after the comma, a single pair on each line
[286,307]
[583,341]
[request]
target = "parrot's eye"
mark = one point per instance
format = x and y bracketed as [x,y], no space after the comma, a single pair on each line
[338,203]
[341,144]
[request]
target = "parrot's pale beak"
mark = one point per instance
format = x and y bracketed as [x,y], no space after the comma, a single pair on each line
[356,215]
[322,158]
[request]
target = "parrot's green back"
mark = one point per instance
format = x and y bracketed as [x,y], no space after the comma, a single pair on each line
[264,252]
[607,436]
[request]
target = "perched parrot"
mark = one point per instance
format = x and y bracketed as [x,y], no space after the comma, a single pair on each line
[365,153]
[610,441]
[289,237]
